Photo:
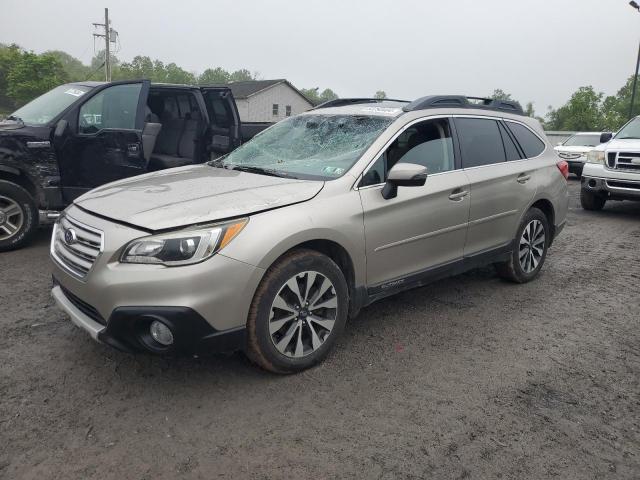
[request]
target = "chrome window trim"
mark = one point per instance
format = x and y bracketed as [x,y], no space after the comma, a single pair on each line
[450,116]
[386,145]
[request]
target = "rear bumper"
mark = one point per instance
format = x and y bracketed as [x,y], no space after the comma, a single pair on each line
[127,328]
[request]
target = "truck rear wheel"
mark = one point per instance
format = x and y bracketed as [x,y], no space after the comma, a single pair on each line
[591,201]
[18,216]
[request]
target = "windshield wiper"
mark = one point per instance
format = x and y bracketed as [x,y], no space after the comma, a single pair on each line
[629,138]
[259,170]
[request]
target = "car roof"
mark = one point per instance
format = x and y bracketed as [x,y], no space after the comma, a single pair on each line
[381,108]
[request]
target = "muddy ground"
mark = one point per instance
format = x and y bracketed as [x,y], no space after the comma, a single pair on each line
[469,378]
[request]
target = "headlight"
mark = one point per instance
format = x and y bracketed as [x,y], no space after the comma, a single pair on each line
[184,247]
[595,156]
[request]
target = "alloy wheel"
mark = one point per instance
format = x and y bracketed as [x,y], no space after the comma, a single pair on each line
[11,218]
[532,244]
[303,314]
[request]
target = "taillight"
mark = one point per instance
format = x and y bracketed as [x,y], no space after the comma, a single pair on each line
[564,168]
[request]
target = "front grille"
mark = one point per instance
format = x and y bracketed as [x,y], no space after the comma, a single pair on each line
[629,161]
[84,307]
[569,156]
[75,246]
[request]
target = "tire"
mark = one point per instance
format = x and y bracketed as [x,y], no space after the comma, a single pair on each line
[281,340]
[18,216]
[533,253]
[591,201]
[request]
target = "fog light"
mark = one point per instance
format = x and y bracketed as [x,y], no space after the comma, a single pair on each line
[161,333]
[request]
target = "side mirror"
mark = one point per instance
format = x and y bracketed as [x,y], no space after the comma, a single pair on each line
[605,137]
[559,144]
[61,126]
[403,175]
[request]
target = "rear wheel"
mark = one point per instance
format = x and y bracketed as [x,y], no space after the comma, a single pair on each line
[298,312]
[591,201]
[530,252]
[18,216]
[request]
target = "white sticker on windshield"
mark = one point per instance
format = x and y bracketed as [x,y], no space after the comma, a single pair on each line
[74,91]
[382,110]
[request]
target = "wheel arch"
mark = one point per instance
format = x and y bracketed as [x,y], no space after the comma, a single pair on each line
[337,252]
[18,177]
[545,205]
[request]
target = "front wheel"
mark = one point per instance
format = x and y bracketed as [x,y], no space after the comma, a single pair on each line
[297,313]
[18,216]
[531,245]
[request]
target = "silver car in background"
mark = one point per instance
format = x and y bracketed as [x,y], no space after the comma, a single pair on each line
[270,248]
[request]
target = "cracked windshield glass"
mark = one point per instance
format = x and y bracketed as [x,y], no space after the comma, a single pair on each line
[321,147]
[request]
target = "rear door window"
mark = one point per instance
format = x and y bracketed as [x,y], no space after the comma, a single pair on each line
[510,148]
[531,145]
[480,142]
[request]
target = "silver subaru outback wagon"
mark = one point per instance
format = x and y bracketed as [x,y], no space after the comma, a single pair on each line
[270,248]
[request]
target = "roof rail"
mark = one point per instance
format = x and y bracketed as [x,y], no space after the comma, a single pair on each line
[341,102]
[460,101]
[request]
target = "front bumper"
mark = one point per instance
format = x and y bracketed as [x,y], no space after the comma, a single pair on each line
[205,304]
[614,184]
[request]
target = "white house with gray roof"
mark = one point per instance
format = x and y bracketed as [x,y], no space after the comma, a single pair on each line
[268,100]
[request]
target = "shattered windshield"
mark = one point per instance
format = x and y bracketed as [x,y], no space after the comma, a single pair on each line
[320,147]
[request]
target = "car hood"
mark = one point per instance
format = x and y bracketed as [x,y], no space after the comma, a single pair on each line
[622,144]
[573,149]
[194,194]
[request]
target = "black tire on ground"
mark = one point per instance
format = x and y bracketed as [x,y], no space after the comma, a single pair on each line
[14,196]
[591,200]
[512,269]
[260,347]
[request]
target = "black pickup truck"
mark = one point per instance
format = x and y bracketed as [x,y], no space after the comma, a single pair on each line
[81,135]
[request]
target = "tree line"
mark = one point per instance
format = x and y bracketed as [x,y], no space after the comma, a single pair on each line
[24,75]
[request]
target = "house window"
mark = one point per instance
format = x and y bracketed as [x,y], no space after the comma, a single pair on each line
[288,110]
[275,109]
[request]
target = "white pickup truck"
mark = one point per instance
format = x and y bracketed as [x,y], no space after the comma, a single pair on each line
[612,171]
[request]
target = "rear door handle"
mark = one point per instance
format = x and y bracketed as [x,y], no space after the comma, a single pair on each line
[524,178]
[457,196]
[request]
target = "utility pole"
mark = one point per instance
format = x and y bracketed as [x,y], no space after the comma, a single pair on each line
[109,36]
[634,5]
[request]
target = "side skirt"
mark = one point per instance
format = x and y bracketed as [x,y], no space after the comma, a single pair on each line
[430,275]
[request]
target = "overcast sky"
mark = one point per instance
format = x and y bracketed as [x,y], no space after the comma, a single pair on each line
[538,51]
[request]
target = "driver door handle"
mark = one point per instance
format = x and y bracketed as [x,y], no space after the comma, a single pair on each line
[524,178]
[458,195]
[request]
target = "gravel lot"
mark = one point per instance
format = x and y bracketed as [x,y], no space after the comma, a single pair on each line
[469,378]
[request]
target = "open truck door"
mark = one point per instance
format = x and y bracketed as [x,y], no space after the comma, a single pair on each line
[103,139]
[224,121]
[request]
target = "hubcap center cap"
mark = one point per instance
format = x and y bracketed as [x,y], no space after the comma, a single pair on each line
[3,217]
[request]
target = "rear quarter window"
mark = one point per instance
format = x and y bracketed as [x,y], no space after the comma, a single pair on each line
[531,145]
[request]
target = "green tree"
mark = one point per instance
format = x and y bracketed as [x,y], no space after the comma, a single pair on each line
[96,68]
[583,111]
[9,56]
[214,76]
[316,97]
[241,75]
[76,70]
[33,75]
[499,94]
[380,94]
